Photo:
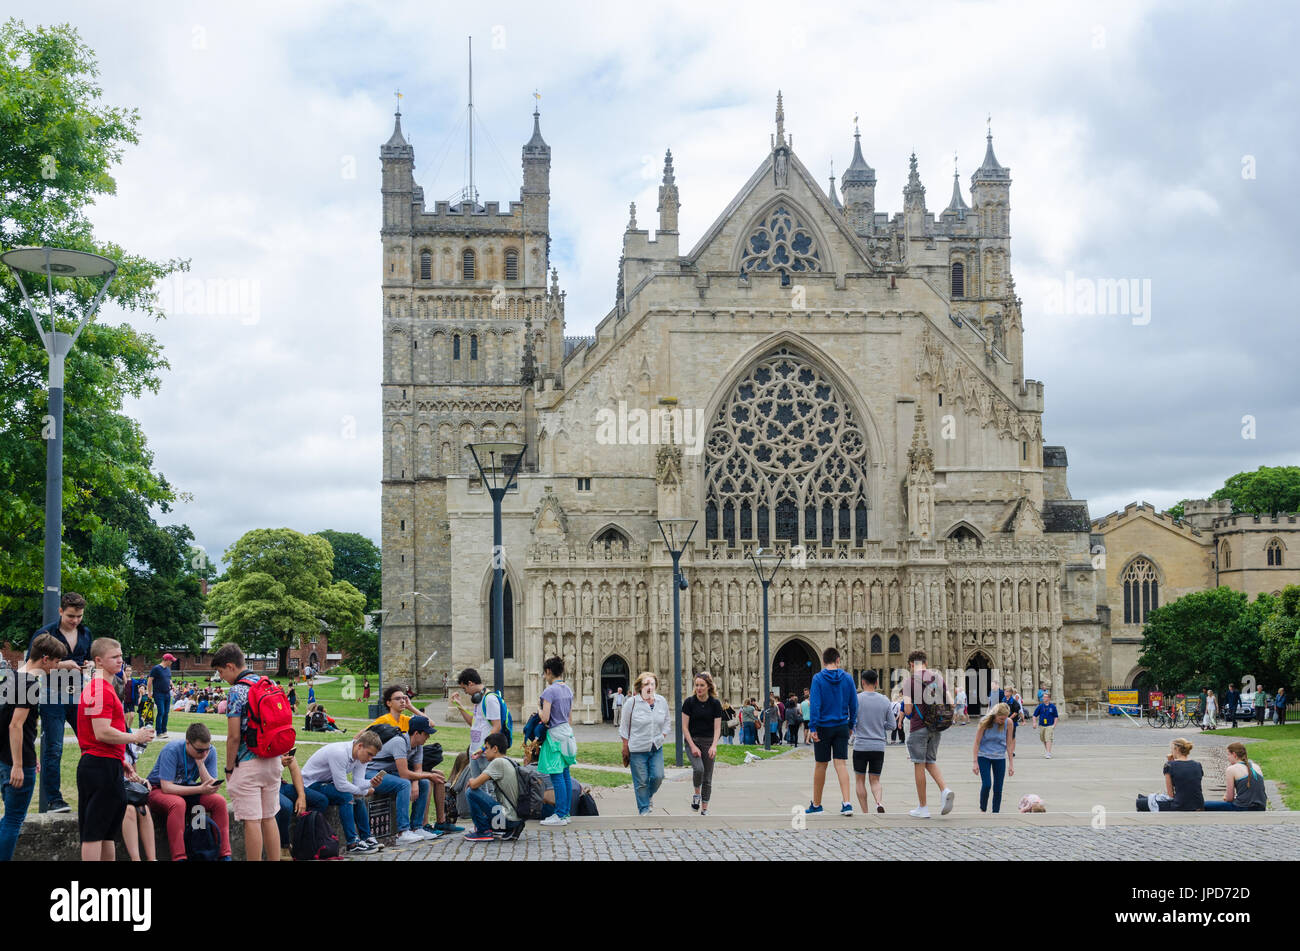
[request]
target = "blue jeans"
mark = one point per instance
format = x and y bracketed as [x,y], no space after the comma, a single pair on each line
[482,808]
[992,772]
[421,804]
[164,705]
[53,718]
[316,802]
[399,789]
[353,814]
[749,734]
[16,803]
[647,775]
[1211,805]
[560,782]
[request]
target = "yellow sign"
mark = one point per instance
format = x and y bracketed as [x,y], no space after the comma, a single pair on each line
[1123,701]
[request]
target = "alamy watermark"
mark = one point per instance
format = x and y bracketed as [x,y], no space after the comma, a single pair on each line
[1102,296]
[635,426]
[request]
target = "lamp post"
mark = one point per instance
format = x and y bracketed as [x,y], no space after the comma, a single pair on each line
[498,464]
[766,564]
[677,533]
[52,263]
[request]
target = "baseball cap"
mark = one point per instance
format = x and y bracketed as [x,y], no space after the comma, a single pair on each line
[421,725]
[169,656]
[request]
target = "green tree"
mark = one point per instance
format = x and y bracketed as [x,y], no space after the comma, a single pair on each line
[1207,639]
[1266,491]
[1281,637]
[278,586]
[1176,511]
[356,560]
[58,144]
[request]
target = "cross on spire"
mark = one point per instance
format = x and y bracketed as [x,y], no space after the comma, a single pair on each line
[397,95]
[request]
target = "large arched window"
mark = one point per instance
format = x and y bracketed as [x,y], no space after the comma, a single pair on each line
[508,629]
[1225,557]
[1141,591]
[895,646]
[512,265]
[786,459]
[877,646]
[781,243]
[426,265]
[467,264]
[1274,552]
[958,279]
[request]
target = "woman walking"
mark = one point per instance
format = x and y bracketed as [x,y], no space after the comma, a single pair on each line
[702,727]
[995,745]
[1211,711]
[560,748]
[748,723]
[644,727]
[1244,784]
[728,727]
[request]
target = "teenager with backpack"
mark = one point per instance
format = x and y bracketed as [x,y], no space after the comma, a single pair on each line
[484,718]
[834,709]
[923,693]
[993,754]
[185,774]
[259,729]
[338,772]
[560,747]
[401,760]
[495,813]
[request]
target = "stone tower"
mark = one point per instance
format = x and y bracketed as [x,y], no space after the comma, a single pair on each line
[464,285]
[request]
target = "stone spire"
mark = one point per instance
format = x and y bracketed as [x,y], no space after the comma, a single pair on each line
[858,172]
[914,193]
[537,145]
[991,171]
[858,185]
[780,121]
[528,367]
[631,216]
[920,481]
[833,192]
[396,146]
[956,206]
[920,455]
[668,200]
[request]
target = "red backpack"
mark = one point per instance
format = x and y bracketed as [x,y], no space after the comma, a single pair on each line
[270,718]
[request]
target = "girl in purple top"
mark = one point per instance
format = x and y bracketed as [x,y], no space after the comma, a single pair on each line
[560,749]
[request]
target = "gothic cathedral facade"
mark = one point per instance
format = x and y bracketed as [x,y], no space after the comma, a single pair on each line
[814,377]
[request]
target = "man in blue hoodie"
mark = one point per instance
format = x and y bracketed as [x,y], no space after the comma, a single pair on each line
[833,709]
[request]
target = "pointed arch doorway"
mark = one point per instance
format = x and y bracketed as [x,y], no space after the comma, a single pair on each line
[979,673]
[613,674]
[793,667]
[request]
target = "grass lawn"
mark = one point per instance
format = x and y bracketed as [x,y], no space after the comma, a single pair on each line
[1278,756]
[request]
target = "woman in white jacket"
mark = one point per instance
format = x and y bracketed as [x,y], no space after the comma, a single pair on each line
[644,727]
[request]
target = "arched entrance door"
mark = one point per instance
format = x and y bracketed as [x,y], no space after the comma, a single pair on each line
[978,682]
[793,668]
[613,674]
[1143,684]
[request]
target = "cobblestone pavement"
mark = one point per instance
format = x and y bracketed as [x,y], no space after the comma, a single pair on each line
[1131,843]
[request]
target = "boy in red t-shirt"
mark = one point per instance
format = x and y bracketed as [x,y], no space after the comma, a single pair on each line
[101,733]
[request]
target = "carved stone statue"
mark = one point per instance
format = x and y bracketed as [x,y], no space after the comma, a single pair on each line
[588,662]
[642,653]
[624,600]
[824,598]
[604,600]
[640,599]
[715,598]
[697,657]
[548,647]
[715,659]
[733,598]
[986,601]
[567,595]
[586,600]
[805,598]
[548,598]
[753,653]
[735,669]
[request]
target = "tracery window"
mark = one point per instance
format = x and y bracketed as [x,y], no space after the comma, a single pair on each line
[1275,554]
[1225,557]
[1141,591]
[786,459]
[781,244]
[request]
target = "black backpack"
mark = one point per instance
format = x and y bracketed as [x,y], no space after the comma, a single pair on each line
[315,722]
[586,806]
[202,843]
[385,731]
[313,839]
[531,791]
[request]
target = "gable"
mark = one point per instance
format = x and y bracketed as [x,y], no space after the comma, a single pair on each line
[727,242]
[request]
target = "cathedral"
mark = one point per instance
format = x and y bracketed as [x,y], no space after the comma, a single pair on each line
[814,377]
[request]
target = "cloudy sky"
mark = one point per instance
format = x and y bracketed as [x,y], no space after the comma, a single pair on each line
[1149,142]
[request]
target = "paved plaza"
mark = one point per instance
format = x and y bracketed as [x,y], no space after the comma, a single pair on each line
[1089,787]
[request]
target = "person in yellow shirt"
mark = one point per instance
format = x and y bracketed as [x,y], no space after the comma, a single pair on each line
[400,710]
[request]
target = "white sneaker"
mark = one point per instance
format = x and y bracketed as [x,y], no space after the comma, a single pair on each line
[425,834]
[410,837]
[552,820]
[948,797]
[1049,755]
[920,812]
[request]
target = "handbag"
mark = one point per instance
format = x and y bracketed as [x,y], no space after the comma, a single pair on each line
[137,794]
[627,754]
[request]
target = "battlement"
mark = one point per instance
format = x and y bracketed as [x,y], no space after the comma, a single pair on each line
[1246,521]
[460,215]
[1143,508]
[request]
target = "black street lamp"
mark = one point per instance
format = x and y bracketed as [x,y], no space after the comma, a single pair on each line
[766,564]
[498,464]
[52,263]
[677,533]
